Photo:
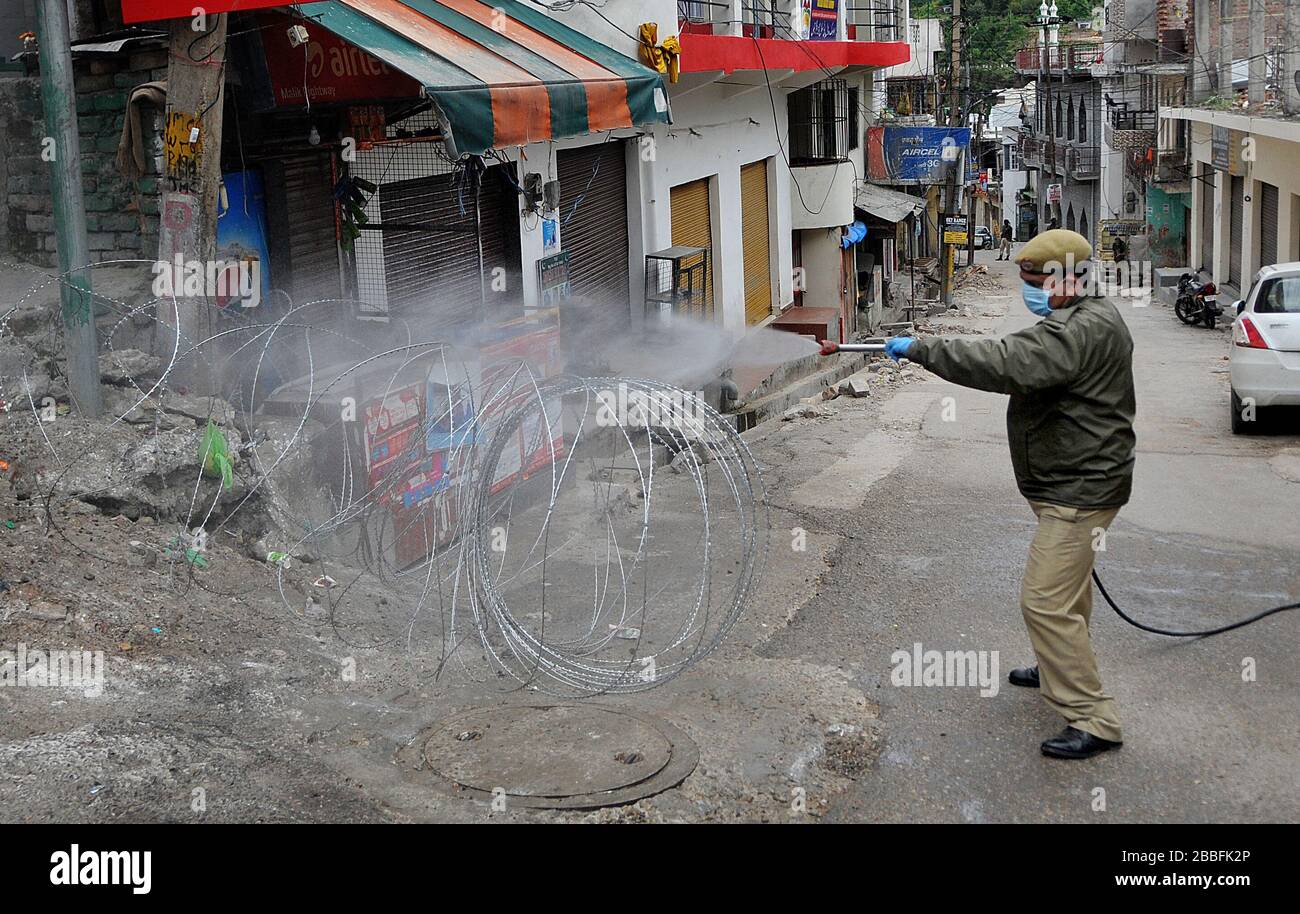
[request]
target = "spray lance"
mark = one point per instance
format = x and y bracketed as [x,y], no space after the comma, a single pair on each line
[830,347]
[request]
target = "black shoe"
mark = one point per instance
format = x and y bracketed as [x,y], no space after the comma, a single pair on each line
[1072,743]
[1026,676]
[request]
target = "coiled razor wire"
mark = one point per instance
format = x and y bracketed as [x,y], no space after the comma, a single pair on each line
[618,553]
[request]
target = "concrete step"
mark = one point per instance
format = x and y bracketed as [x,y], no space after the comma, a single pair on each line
[793,382]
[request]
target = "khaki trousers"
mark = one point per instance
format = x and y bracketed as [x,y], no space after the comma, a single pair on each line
[1056,600]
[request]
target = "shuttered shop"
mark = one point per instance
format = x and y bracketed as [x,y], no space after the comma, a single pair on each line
[431,262]
[1237,188]
[1267,224]
[306,191]
[593,213]
[754,228]
[692,226]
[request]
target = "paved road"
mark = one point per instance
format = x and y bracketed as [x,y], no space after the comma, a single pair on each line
[933,555]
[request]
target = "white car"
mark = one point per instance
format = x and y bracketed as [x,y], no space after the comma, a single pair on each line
[1265,358]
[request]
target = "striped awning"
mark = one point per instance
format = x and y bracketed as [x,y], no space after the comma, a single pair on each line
[501,74]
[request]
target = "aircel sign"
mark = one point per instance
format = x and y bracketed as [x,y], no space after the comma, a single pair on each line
[913,155]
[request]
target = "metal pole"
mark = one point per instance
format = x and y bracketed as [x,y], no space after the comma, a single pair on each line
[950,191]
[478,232]
[1051,129]
[59,100]
[1290,59]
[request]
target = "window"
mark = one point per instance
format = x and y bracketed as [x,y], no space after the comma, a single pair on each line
[819,123]
[907,96]
[1060,126]
[1280,296]
[1069,120]
[1083,121]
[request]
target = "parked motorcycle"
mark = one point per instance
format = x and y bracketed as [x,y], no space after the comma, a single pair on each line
[1197,302]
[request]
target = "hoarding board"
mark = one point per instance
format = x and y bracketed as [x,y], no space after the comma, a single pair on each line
[823,19]
[914,155]
[956,229]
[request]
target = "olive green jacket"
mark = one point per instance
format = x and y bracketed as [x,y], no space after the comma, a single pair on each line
[1070,419]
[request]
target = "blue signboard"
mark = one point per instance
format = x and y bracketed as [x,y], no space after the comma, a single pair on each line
[913,155]
[822,19]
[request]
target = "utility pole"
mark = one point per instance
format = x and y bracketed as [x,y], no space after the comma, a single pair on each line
[1225,49]
[59,100]
[196,71]
[1258,65]
[1291,60]
[975,169]
[950,191]
[1200,62]
[1045,20]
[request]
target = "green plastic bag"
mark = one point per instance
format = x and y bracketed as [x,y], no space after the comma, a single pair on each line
[214,455]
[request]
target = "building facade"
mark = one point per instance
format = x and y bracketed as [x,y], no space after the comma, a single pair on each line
[1235,139]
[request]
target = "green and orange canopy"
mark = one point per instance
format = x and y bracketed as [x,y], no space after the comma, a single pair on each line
[501,74]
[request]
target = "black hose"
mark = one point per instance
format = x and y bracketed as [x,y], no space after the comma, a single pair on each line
[1200,634]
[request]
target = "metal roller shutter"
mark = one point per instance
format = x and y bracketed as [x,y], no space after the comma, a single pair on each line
[1238,188]
[1207,221]
[755,226]
[308,195]
[692,226]
[432,268]
[593,220]
[1267,224]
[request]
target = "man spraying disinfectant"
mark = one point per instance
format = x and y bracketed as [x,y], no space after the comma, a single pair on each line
[1070,428]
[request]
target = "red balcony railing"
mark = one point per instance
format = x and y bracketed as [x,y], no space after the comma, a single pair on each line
[1060,58]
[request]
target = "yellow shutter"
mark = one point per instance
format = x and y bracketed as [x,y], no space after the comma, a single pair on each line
[755,227]
[692,227]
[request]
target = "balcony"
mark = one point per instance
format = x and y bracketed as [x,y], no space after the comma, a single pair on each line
[1173,170]
[1083,162]
[720,37]
[875,20]
[1065,59]
[1122,118]
[1132,129]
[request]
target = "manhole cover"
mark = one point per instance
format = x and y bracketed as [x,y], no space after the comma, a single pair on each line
[564,751]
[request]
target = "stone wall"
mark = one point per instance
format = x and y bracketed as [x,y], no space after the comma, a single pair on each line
[121,216]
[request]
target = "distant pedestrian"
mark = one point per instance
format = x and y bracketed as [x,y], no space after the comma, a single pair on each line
[1004,253]
[1119,254]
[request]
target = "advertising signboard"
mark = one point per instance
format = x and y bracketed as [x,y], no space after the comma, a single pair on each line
[327,68]
[956,228]
[914,155]
[823,19]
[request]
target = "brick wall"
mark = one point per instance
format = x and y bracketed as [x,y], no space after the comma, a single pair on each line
[121,216]
[1272,19]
